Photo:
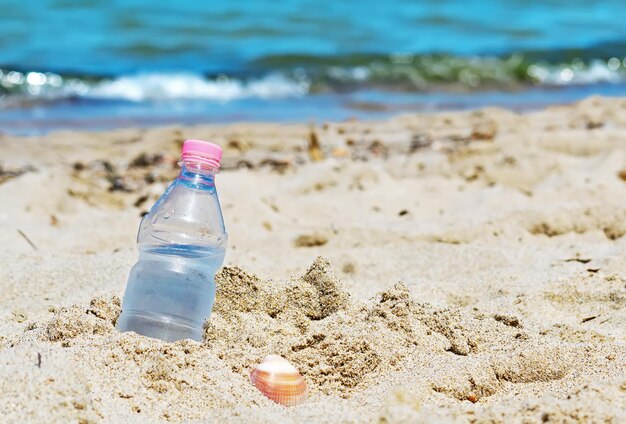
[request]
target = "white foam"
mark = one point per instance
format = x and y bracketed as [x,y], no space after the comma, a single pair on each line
[161,86]
[597,71]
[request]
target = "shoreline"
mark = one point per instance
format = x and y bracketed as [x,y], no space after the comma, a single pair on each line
[479,256]
[370,104]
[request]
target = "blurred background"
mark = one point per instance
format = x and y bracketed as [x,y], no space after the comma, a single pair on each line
[109,63]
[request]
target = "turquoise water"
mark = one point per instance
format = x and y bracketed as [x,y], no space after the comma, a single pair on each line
[107,63]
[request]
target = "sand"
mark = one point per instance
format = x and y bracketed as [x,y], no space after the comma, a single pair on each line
[457,267]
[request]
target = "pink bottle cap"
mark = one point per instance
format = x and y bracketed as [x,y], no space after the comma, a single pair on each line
[202,151]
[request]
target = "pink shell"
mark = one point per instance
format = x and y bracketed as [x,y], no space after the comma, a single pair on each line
[277,379]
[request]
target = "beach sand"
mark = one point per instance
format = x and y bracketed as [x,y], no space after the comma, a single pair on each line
[457,267]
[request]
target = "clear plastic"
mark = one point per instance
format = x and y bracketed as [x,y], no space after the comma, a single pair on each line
[182,241]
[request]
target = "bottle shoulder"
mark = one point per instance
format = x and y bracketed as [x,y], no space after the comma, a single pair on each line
[184,215]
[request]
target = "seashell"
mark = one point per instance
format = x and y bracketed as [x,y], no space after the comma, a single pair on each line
[280,381]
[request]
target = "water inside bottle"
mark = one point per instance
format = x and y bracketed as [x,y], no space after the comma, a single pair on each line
[170,291]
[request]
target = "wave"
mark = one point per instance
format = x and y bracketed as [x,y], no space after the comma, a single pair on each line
[160,86]
[146,87]
[291,76]
[410,72]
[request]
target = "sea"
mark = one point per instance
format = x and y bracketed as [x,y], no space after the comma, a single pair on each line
[97,64]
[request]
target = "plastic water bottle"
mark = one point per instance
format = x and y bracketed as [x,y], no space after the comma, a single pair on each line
[182,241]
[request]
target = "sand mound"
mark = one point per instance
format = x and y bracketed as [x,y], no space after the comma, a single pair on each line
[98,319]
[337,342]
[343,347]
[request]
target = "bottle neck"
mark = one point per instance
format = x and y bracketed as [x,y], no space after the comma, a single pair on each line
[197,173]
